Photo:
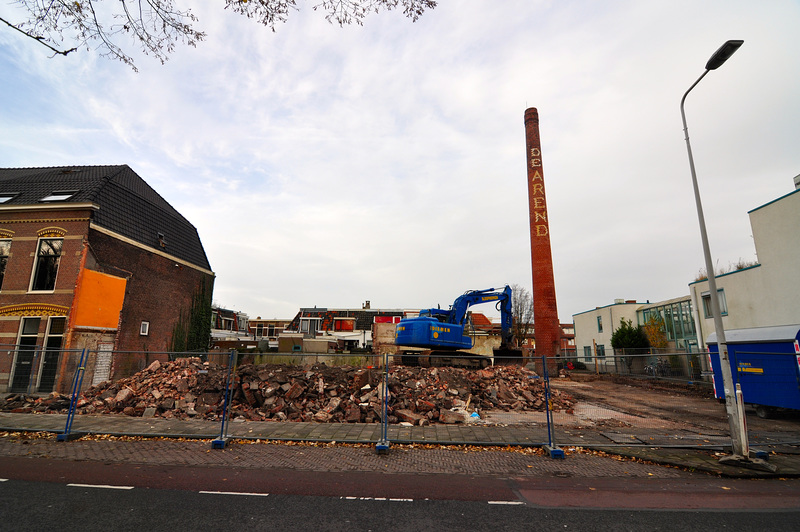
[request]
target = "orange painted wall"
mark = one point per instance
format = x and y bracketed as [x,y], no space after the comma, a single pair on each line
[99,300]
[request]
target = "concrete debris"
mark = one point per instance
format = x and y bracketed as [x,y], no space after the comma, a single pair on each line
[190,388]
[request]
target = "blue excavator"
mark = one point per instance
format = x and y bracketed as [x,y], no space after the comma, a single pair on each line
[440,337]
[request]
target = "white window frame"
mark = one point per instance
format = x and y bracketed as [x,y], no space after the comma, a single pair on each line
[144,329]
[34,347]
[600,351]
[7,257]
[309,325]
[45,351]
[587,353]
[59,195]
[36,264]
[705,297]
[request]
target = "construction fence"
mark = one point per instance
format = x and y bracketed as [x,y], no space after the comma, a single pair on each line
[666,399]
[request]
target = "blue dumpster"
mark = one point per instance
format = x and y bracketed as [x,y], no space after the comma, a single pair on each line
[765,361]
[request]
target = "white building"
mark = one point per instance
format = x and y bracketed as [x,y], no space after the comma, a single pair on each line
[767,293]
[593,329]
[760,295]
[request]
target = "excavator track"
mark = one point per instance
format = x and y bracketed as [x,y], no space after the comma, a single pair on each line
[460,359]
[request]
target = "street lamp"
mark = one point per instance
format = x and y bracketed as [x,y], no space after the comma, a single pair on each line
[735,415]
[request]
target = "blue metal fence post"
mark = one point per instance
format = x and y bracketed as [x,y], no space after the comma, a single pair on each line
[553,450]
[382,447]
[223,438]
[77,381]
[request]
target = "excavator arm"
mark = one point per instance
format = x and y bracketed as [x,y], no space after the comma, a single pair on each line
[444,329]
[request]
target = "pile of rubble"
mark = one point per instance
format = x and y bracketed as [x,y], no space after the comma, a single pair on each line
[190,388]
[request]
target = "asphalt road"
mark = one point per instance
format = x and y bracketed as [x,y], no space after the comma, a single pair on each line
[93,495]
[679,492]
[27,505]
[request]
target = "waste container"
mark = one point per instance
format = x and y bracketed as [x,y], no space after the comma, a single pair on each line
[765,361]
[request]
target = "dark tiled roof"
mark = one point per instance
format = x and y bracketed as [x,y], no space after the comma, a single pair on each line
[128,205]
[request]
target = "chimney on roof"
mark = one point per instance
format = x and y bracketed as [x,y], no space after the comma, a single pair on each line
[797,181]
[365,306]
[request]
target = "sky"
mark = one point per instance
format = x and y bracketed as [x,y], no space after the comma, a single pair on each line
[327,166]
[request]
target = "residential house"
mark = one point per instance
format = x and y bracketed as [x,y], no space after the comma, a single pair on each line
[91,257]
[593,329]
[568,349]
[266,331]
[230,329]
[323,329]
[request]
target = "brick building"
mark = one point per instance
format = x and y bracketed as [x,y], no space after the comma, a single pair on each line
[267,330]
[347,329]
[90,257]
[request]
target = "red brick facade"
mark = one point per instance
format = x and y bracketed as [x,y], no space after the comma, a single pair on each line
[157,289]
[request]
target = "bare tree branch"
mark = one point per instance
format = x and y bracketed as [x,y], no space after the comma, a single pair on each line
[522,310]
[37,38]
[158,26]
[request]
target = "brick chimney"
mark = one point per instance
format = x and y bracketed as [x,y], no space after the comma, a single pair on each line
[545,313]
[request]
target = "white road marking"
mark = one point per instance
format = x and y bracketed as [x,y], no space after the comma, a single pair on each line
[102,486]
[234,493]
[512,503]
[375,499]
[3,480]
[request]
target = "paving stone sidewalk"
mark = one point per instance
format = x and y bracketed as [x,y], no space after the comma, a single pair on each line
[188,442]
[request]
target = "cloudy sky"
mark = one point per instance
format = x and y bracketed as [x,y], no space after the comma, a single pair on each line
[327,166]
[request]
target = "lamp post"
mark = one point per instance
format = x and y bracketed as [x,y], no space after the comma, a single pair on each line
[735,415]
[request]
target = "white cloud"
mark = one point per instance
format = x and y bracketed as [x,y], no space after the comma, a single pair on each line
[328,166]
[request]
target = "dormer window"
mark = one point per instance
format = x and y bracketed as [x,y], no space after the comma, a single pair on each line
[5,197]
[59,195]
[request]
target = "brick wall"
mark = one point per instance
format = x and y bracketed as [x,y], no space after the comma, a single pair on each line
[158,290]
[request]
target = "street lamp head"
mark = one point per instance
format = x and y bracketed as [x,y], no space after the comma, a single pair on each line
[722,55]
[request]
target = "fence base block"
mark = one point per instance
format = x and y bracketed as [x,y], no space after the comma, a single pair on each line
[219,443]
[761,455]
[382,447]
[71,436]
[748,463]
[554,452]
